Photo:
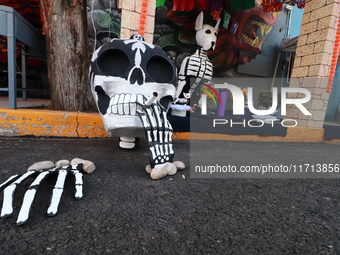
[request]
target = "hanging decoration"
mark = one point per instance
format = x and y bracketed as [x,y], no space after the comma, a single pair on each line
[241,5]
[142,19]
[211,5]
[216,15]
[226,19]
[234,27]
[300,3]
[160,3]
[334,59]
[215,8]
[183,5]
[272,5]
[215,5]
[204,4]
[22,6]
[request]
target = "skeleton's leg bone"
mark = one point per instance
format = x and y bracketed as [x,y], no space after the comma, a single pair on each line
[152,122]
[168,139]
[78,183]
[9,181]
[156,126]
[57,192]
[29,198]
[158,131]
[170,135]
[7,205]
[147,128]
[157,109]
[144,120]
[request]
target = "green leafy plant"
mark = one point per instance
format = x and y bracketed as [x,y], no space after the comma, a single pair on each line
[266,99]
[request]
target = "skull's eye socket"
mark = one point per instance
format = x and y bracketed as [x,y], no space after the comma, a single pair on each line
[160,70]
[113,62]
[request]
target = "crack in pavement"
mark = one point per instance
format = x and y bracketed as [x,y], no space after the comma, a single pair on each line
[77,116]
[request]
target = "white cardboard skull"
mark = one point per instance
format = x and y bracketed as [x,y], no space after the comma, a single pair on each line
[124,72]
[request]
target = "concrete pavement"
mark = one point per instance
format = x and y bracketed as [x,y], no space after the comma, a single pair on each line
[124,211]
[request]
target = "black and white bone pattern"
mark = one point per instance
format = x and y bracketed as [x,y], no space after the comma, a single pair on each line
[125,104]
[158,131]
[13,182]
[197,65]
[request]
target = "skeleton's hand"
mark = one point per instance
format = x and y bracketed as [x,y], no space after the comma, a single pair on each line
[40,171]
[158,131]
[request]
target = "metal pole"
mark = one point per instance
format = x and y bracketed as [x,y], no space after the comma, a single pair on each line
[12,75]
[23,71]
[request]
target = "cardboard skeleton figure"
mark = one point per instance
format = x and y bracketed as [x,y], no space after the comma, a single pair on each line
[133,83]
[126,76]
[196,66]
[126,73]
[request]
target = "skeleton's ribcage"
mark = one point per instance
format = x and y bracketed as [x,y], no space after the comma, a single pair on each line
[194,70]
[199,67]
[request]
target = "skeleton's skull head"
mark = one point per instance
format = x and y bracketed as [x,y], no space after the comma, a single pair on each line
[206,35]
[124,72]
[137,37]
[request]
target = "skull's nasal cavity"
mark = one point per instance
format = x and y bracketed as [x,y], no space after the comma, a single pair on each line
[137,75]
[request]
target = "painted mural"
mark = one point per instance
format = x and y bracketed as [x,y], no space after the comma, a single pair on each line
[103,19]
[241,34]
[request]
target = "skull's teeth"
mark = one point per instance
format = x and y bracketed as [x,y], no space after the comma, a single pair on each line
[126,104]
[120,104]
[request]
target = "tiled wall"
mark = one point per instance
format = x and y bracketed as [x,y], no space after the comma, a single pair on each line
[131,10]
[313,60]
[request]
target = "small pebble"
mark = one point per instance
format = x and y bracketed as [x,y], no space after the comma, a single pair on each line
[42,165]
[88,166]
[148,169]
[61,163]
[171,168]
[157,173]
[179,164]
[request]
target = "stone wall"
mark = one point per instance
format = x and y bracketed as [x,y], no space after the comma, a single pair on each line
[131,10]
[313,60]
